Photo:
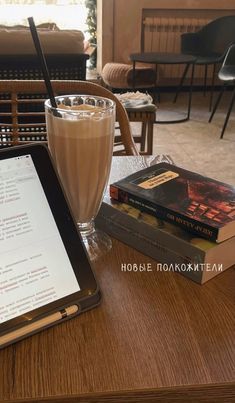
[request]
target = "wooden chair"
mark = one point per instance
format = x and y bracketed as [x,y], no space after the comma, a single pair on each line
[22,115]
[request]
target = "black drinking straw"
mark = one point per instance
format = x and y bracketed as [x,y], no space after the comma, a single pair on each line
[41,57]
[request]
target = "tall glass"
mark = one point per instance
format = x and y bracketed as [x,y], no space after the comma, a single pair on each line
[80,137]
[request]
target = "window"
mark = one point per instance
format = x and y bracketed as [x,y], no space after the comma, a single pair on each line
[66,14]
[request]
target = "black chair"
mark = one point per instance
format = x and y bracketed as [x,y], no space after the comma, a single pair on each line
[209,45]
[226,74]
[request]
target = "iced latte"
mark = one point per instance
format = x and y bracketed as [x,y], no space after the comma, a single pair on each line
[80,137]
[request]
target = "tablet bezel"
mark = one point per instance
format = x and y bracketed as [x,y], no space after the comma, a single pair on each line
[89,292]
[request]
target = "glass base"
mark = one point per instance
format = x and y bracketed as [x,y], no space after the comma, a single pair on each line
[97,243]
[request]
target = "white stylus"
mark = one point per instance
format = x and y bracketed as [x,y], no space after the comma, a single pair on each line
[39,324]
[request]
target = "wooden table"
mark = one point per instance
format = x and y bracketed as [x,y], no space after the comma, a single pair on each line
[145,138]
[147,118]
[156,337]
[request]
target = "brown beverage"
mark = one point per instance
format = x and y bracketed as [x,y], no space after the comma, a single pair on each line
[82,150]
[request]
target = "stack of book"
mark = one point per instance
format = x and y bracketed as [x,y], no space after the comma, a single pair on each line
[183,220]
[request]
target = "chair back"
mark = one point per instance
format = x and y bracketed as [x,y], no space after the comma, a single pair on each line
[22,114]
[216,36]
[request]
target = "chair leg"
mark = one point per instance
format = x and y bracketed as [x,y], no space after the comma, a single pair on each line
[150,138]
[212,87]
[179,88]
[157,95]
[143,136]
[191,90]
[228,114]
[205,80]
[217,103]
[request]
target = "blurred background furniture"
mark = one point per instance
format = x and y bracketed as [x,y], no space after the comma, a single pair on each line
[64,51]
[168,59]
[120,76]
[53,40]
[22,115]
[227,75]
[147,117]
[209,46]
[60,66]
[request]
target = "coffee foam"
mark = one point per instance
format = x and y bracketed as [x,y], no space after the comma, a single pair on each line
[82,127]
[82,107]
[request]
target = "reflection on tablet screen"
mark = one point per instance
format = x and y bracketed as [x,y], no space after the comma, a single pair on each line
[34,268]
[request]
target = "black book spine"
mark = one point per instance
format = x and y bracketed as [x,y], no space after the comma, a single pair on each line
[189,224]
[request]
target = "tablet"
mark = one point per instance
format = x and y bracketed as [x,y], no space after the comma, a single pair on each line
[45,273]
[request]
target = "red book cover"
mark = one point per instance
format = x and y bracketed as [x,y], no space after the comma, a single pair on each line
[199,204]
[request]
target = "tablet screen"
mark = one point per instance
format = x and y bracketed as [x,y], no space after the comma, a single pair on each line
[34,269]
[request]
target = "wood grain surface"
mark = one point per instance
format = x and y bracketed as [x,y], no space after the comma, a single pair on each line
[156,337]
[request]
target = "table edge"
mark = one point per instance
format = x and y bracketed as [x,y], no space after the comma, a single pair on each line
[208,393]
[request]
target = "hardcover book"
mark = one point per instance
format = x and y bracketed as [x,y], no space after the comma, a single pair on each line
[177,249]
[196,203]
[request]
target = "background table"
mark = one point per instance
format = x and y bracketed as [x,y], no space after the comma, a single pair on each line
[145,114]
[168,58]
[156,337]
[147,118]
